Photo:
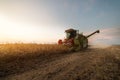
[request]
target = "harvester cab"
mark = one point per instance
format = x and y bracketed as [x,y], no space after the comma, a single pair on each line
[70,33]
[75,40]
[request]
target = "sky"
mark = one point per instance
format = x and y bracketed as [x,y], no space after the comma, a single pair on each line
[44,21]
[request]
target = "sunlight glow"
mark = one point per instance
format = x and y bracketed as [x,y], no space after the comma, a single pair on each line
[12,31]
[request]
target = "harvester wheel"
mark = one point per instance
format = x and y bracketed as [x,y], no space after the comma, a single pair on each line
[85,44]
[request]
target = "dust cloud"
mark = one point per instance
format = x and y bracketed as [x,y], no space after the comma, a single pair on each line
[106,38]
[100,46]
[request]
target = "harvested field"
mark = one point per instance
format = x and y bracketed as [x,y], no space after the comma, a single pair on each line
[52,62]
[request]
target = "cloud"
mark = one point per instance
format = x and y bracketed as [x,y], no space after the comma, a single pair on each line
[110,33]
[107,36]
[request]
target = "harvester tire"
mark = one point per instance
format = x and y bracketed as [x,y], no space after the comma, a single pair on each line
[85,44]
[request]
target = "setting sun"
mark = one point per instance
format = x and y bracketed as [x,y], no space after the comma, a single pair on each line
[15,31]
[12,31]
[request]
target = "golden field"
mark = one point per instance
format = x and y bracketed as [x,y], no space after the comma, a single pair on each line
[11,55]
[55,62]
[21,50]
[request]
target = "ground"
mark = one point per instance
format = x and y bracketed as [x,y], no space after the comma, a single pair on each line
[90,64]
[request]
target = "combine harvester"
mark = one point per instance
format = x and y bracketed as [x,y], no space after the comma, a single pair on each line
[76,41]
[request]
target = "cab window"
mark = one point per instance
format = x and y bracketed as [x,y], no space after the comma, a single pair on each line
[67,35]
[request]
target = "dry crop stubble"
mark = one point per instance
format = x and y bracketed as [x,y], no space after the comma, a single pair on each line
[51,61]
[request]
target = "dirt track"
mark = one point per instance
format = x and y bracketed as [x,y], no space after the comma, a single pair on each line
[91,64]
